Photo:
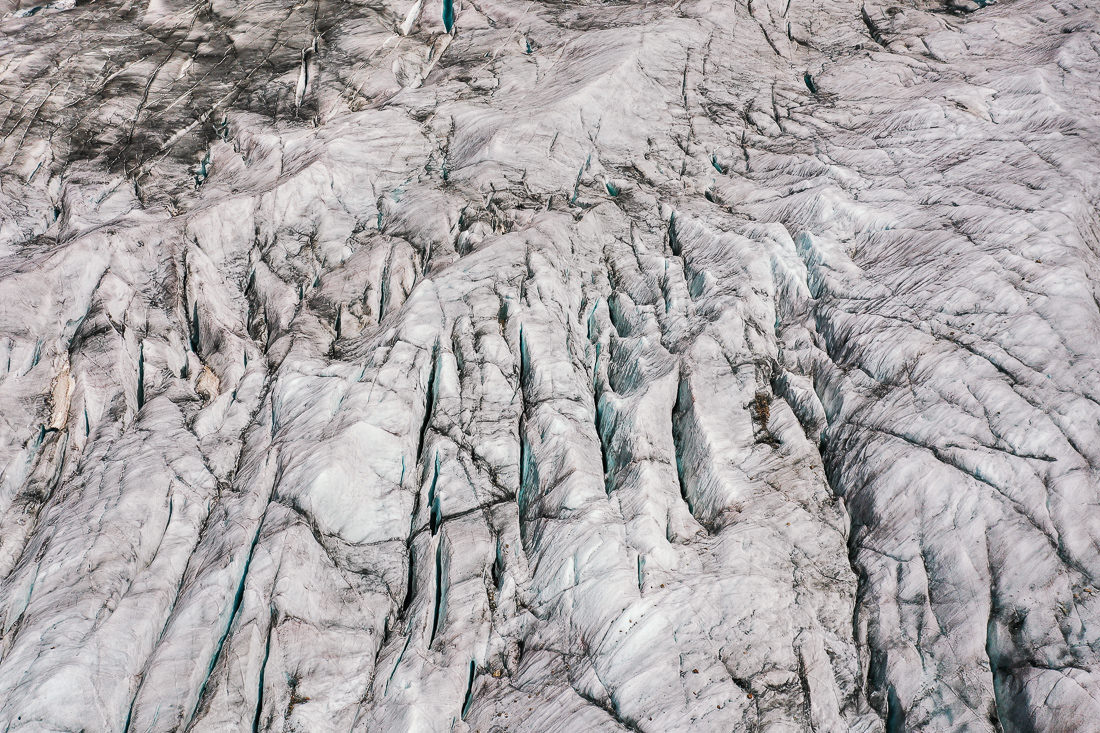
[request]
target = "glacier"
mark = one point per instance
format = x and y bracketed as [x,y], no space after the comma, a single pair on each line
[575,365]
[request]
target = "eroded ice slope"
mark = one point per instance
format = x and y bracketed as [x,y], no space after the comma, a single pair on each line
[546,366]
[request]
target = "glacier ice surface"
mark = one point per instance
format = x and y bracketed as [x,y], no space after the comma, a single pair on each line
[549,366]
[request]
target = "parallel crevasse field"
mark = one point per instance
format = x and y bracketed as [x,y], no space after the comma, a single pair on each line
[524,365]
